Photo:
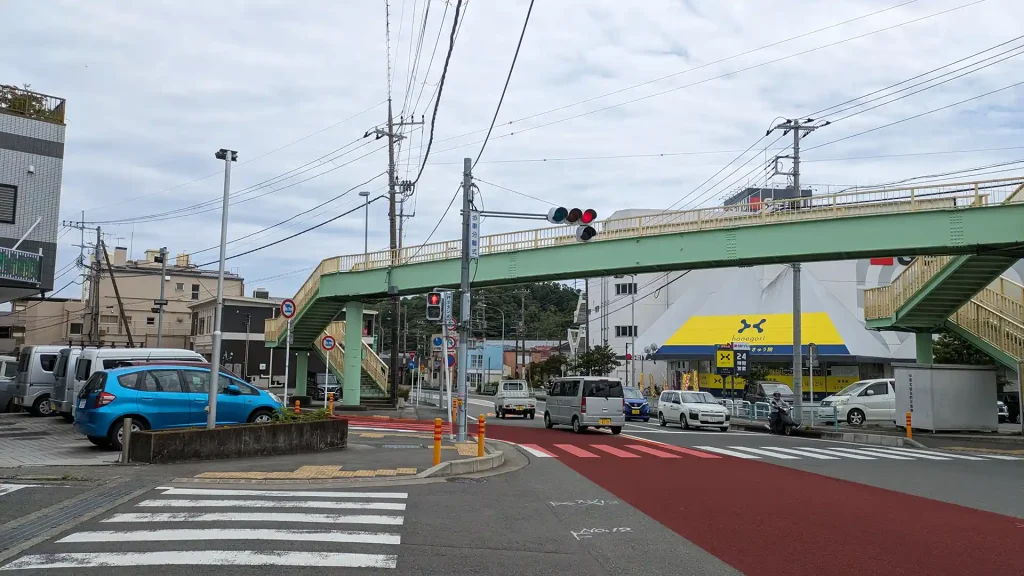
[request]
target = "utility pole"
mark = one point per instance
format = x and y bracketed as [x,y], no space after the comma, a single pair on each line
[245,369]
[117,294]
[798,127]
[94,291]
[228,156]
[161,302]
[465,319]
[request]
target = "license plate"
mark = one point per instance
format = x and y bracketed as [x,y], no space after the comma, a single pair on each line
[19,400]
[605,421]
[713,419]
[81,403]
[636,411]
[519,408]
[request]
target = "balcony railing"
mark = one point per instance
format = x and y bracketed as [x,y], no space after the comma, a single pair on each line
[22,102]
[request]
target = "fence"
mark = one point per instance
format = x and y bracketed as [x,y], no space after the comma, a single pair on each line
[807,413]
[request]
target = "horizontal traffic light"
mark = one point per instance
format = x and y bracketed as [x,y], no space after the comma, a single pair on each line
[434,307]
[581,218]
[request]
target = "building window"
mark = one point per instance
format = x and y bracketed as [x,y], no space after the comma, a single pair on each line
[108,319]
[8,203]
[625,331]
[150,321]
[476,361]
[6,332]
[75,329]
[202,326]
[19,307]
[179,286]
[625,289]
[195,291]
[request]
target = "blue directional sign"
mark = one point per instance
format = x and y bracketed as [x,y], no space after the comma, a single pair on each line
[437,341]
[451,360]
[412,365]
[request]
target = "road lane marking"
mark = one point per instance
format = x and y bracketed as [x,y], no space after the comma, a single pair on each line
[732,453]
[764,452]
[186,535]
[174,503]
[651,451]
[869,453]
[943,454]
[614,451]
[255,517]
[172,491]
[998,457]
[576,451]
[202,558]
[537,451]
[8,488]
[689,452]
[807,453]
[921,455]
[828,451]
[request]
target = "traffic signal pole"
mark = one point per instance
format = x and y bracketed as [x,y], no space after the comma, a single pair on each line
[464,311]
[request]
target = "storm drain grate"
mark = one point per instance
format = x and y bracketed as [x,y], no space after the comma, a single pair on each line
[43,524]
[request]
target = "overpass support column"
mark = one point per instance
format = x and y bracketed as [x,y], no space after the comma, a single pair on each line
[925,348]
[301,372]
[353,353]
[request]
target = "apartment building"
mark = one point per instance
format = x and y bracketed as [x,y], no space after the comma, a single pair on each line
[35,320]
[31,168]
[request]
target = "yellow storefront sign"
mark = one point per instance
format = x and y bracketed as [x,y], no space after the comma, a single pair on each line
[756,329]
[830,384]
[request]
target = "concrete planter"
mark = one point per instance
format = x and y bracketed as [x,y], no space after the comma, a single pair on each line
[242,441]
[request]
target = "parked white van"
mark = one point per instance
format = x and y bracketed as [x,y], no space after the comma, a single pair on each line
[34,382]
[93,360]
[863,401]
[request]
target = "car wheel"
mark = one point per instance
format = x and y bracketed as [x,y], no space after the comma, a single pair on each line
[647,419]
[616,429]
[261,416]
[67,416]
[117,432]
[661,420]
[856,417]
[501,413]
[532,414]
[547,421]
[100,441]
[42,407]
[724,428]
[576,426]
[683,422]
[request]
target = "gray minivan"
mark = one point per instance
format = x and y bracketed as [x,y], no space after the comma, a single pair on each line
[62,400]
[34,383]
[585,401]
[8,372]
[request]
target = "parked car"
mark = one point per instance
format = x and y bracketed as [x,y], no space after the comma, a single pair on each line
[62,401]
[161,397]
[1003,411]
[319,392]
[513,397]
[8,371]
[761,391]
[692,410]
[1012,402]
[635,406]
[860,402]
[95,359]
[584,401]
[34,382]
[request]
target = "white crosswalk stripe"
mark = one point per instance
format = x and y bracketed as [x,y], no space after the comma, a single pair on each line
[725,452]
[840,454]
[807,453]
[857,452]
[173,532]
[765,452]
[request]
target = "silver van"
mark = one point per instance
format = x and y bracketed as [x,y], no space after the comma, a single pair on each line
[8,371]
[585,401]
[34,383]
[63,398]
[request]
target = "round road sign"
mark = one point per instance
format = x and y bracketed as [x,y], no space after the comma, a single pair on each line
[288,308]
[451,342]
[437,341]
[327,342]
[451,360]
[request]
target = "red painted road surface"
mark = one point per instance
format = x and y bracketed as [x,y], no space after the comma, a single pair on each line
[759,518]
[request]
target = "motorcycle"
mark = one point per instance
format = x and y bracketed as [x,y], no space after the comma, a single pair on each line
[780,423]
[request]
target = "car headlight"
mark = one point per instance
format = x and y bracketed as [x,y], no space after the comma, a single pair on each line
[842,401]
[274,397]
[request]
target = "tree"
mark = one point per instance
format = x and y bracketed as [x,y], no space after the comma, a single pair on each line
[22,100]
[950,348]
[541,372]
[598,361]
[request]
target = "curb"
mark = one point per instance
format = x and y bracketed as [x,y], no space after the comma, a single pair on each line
[465,466]
[852,437]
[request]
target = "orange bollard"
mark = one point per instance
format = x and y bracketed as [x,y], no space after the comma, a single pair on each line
[296,406]
[437,441]
[330,402]
[480,437]
[910,433]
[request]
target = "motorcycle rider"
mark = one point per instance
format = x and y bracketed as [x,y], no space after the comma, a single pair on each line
[780,412]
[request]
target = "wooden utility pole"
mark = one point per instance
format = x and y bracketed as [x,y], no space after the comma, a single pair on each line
[117,294]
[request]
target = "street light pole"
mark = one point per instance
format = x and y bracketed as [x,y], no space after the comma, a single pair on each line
[366,221]
[160,315]
[228,156]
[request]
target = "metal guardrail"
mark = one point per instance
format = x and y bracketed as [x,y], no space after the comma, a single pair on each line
[21,102]
[866,202]
[760,411]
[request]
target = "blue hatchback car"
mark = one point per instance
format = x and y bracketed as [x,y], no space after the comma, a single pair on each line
[164,396]
[634,405]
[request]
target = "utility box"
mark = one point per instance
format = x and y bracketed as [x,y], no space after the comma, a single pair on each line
[947,397]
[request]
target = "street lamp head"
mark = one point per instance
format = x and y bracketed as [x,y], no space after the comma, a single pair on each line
[223,153]
[364,193]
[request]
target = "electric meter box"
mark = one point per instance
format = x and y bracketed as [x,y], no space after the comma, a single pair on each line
[946,397]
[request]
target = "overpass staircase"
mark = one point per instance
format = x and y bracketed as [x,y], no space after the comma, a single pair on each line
[373,381]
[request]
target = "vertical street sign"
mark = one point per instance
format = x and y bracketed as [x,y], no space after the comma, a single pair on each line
[288,311]
[448,319]
[474,235]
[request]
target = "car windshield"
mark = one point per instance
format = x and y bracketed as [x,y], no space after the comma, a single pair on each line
[698,398]
[770,389]
[851,389]
[632,393]
[602,389]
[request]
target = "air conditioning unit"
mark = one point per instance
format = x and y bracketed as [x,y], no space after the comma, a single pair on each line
[103,331]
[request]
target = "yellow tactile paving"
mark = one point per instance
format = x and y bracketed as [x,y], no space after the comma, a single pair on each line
[309,473]
[466,448]
[405,470]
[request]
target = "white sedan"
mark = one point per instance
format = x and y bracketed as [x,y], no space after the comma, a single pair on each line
[692,410]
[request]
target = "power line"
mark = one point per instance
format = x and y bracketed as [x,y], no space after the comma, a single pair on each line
[430,64]
[508,79]
[441,219]
[523,194]
[437,102]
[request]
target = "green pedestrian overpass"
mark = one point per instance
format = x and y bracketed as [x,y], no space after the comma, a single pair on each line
[965,234]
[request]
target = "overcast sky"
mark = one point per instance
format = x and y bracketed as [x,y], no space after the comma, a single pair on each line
[154,89]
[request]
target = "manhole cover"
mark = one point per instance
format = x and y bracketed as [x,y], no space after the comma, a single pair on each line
[458,480]
[403,446]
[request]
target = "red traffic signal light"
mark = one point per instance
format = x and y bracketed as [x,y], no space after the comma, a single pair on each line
[589,215]
[434,307]
[434,299]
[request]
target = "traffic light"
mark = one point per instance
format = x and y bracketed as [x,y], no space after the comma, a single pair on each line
[581,218]
[434,307]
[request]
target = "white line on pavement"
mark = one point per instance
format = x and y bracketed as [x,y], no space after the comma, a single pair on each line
[173,503]
[536,452]
[804,452]
[201,558]
[867,452]
[8,488]
[255,517]
[764,452]
[186,535]
[172,491]
[945,455]
[833,453]
[728,452]
[892,450]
